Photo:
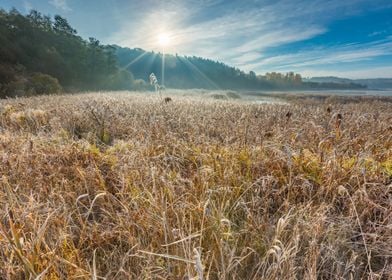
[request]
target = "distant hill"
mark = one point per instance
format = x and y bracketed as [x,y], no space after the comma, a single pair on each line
[196,72]
[187,71]
[378,83]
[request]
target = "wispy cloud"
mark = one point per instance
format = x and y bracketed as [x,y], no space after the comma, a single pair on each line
[280,37]
[246,58]
[377,33]
[242,33]
[339,54]
[259,27]
[61,5]
[27,6]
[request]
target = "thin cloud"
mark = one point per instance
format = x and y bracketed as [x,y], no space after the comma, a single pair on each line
[243,33]
[281,37]
[61,5]
[248,57]
[324,56]
[266,25]
[27,6]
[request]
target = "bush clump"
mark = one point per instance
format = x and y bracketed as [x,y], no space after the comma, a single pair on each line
[43,84]
[29,85]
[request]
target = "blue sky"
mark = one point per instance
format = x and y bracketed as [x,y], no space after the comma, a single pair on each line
[347,38]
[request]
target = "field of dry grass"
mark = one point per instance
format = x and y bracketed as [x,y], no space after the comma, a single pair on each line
[124,186]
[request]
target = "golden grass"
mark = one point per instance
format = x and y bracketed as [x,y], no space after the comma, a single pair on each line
[125,186]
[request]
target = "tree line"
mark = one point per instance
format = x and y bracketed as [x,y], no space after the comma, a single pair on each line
[187,72]
[42,55]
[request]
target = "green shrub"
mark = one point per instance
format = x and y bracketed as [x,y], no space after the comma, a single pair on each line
[43,84]
[122,80]
[14,88]
[140,84]
[219,96]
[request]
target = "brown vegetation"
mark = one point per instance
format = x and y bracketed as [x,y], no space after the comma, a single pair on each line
[167,99]
[123,187]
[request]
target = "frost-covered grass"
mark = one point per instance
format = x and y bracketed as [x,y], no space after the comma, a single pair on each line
[125,186]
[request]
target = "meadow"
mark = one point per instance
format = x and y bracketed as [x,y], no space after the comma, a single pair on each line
[126,186]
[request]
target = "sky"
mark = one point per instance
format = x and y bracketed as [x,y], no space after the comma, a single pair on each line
[345,38]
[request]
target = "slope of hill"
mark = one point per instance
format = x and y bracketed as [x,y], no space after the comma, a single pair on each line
[188,72]
[378,83]
[39,54]
[195,72]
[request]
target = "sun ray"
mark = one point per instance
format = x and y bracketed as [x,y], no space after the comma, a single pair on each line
[194,68]
[135,60]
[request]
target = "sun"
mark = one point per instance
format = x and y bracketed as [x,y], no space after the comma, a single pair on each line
[164,39]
